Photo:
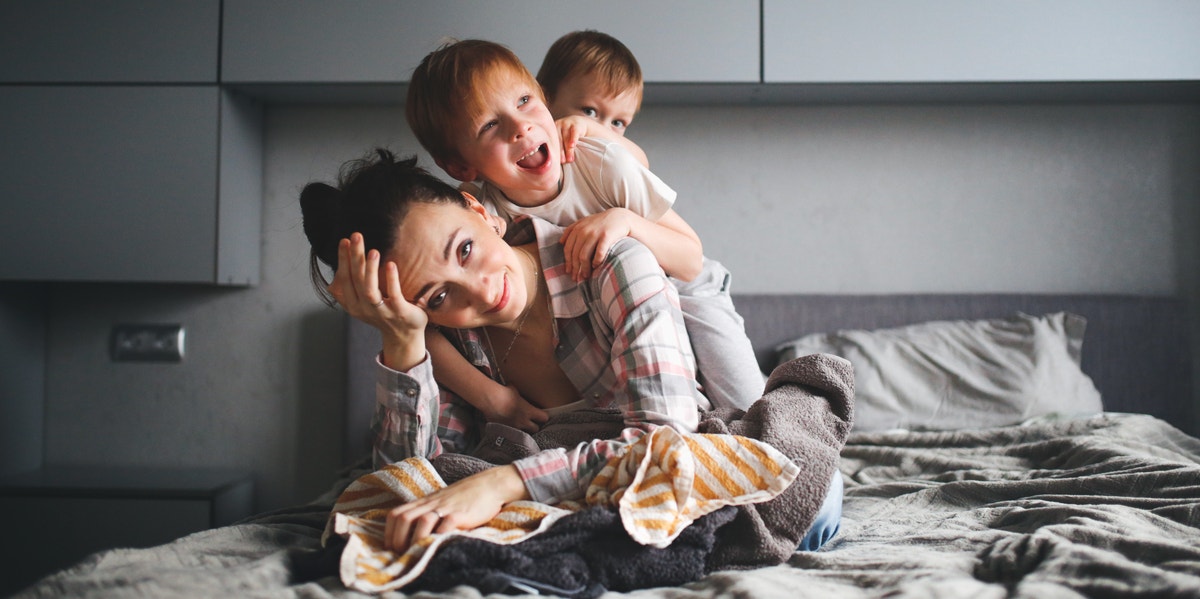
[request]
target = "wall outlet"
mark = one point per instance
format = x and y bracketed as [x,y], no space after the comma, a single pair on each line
[147,343]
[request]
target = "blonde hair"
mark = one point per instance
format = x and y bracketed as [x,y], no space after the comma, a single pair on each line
[587,51]
[450,86]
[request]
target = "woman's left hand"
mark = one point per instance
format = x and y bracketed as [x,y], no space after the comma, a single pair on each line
[357,290]
[466,504]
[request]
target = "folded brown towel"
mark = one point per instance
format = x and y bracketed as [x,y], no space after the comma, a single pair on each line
[806,413]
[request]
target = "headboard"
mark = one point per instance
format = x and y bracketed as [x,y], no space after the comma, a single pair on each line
[1136,348]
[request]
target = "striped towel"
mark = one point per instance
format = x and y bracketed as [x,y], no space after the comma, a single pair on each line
[667,479]
[660,484]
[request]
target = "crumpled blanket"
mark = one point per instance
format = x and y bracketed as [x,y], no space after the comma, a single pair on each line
[581,556]
[659,484]
[806,412]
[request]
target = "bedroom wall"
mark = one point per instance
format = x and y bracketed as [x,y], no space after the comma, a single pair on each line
[872,199]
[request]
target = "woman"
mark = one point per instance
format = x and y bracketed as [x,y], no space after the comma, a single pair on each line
[409,250]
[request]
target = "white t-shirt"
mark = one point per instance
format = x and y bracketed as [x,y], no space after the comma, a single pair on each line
[604,175]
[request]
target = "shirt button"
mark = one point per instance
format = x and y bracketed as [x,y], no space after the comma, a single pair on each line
[410,392]
[595,396]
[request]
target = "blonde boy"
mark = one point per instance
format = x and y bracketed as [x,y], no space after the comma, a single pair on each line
[592,74]
[481,115]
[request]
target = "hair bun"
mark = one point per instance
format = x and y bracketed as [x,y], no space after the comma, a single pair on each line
[322,206]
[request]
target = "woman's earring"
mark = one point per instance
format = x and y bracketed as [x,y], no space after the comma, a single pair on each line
[497,228]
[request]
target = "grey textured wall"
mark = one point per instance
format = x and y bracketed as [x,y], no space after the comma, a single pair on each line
[1032,198]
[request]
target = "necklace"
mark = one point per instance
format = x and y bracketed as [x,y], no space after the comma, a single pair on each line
[525,315]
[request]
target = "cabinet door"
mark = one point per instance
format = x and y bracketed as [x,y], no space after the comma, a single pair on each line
[116,41]
[852,41]
[113,183]
[381,41]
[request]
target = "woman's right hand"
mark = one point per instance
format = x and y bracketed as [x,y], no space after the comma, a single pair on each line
[356,288]
[469,503]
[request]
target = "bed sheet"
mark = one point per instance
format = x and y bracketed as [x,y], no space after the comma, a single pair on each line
[1107,506]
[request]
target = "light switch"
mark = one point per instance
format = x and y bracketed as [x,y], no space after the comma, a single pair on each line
[147,343]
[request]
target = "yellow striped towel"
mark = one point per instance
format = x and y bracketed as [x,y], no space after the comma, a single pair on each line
[660,484]
[666,480]
[360,516]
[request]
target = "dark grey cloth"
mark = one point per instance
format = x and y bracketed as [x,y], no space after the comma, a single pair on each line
[580,556]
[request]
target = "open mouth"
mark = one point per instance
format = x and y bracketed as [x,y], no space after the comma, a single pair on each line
[535,159]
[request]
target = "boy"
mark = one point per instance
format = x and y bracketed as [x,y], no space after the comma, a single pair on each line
[481,115]
[592,74]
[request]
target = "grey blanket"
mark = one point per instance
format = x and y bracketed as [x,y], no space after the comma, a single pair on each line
[1103,507]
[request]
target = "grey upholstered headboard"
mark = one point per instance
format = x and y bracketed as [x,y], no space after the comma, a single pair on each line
[1136,348]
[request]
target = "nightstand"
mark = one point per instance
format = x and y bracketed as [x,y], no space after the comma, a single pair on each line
[56,516]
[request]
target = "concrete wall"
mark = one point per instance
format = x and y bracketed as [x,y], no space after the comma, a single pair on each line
[923,198]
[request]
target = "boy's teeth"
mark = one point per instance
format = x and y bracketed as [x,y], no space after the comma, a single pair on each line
[534,159]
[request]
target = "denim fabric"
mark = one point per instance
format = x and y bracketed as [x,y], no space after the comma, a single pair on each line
[829,519]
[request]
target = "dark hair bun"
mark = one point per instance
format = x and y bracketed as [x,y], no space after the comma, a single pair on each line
[322,205]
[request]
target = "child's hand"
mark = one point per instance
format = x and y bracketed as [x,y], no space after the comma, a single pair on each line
[588,240]
[571,129]
[356,288]
[505,405]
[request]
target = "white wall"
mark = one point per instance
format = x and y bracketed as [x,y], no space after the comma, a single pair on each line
[1054,198]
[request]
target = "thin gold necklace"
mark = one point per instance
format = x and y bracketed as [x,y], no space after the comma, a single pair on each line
[525,315]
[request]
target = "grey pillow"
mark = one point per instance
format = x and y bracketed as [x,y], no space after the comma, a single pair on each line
[946,375]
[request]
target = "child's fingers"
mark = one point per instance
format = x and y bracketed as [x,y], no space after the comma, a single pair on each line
[583,259]
[568,243]
[603,247]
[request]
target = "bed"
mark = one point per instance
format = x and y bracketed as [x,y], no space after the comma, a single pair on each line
[978,492]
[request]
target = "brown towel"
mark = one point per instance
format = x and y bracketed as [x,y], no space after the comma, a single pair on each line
[806,413]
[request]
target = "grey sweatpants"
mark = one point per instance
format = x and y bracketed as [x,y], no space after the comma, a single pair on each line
[725,362]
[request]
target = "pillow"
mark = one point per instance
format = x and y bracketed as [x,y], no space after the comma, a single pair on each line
[946,375]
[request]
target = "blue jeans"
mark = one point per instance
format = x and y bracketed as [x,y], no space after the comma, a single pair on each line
[829,518]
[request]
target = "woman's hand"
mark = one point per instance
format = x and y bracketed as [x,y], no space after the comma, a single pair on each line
[588,240]
[356,288]
[466,504]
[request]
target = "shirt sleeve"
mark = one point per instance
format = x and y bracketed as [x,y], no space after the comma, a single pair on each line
[405,421]
[633,186]
[652,362]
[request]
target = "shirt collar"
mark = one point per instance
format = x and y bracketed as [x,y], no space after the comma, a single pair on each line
[566,296]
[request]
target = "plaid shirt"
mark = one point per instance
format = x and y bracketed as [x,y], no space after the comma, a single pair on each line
[620,340]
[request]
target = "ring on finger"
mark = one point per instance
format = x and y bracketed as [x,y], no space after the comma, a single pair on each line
[378,303]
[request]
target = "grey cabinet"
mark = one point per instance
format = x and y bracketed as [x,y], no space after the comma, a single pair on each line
[990,41]
[380,41]
[59,515]
[116,41]
[124,159]
[130,183]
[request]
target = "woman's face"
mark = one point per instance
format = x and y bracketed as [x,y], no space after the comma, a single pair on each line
[455,266]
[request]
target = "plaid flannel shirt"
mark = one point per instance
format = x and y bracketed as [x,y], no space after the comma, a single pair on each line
[621,341]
